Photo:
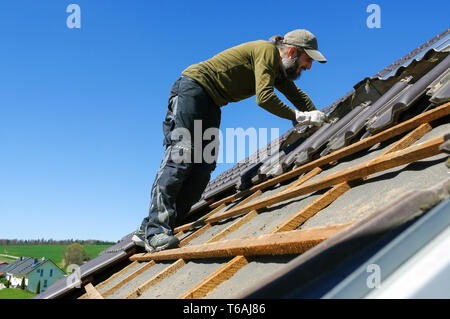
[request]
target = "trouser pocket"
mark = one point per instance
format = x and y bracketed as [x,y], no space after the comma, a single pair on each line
[169,122]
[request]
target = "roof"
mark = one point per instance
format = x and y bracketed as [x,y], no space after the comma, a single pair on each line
[329,271]
[276,225]
[24,265]
[2,267]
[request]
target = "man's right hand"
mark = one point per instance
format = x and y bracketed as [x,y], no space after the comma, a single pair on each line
[316,118]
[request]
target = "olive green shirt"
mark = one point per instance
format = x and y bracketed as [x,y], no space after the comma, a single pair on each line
[252,68]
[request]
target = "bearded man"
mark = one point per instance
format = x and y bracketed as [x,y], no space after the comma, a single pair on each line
[252,68]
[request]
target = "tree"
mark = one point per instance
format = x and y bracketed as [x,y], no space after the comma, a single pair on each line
[38,288]
[4,281]
[75,254]
[22,285]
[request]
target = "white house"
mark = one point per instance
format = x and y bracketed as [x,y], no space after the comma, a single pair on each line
[33,271]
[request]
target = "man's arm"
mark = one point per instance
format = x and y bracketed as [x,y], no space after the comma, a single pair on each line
[296,96]
[265,62]
[307,113]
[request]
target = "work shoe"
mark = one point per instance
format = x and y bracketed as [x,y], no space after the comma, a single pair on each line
[140,240]
[162,241]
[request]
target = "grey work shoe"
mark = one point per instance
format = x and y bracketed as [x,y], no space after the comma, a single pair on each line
[162,241]
[140,240]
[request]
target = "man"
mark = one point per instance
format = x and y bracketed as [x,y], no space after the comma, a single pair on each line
[253,68]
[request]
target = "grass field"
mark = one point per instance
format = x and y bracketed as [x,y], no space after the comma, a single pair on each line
[53,252]
[6,259]
[9,293]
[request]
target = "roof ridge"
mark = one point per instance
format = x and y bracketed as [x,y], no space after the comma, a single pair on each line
[411,54]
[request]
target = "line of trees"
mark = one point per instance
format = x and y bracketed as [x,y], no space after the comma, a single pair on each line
[26,242]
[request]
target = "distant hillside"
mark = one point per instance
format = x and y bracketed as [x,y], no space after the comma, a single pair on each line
[53,252]
[27,242]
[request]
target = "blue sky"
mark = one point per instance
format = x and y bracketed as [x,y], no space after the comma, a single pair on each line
[81,109]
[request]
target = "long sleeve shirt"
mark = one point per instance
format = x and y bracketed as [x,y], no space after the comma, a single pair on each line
[252,68]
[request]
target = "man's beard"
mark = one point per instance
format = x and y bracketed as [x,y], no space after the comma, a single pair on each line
[290,68]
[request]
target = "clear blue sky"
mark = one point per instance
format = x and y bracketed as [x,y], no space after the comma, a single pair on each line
[81,109]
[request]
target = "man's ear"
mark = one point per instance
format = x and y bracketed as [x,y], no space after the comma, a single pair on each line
[292,52]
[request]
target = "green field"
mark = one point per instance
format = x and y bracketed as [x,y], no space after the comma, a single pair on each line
[9,293]
[6,259]
[53,252]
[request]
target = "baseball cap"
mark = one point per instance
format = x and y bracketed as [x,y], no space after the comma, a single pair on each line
[307,41]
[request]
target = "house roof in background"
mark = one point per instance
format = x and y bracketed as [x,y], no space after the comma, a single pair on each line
[24,265]
[3,265]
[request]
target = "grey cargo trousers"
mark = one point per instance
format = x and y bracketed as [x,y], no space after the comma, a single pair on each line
[179,185]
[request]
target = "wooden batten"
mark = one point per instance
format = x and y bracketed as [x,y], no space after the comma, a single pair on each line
[294,242]
[214,280]
[92,292]
[159,277]
[127,279]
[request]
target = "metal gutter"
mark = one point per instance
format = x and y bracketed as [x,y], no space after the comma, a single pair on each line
[425,275]
[395,253]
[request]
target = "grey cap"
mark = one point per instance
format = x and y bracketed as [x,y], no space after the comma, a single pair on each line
[307,41]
